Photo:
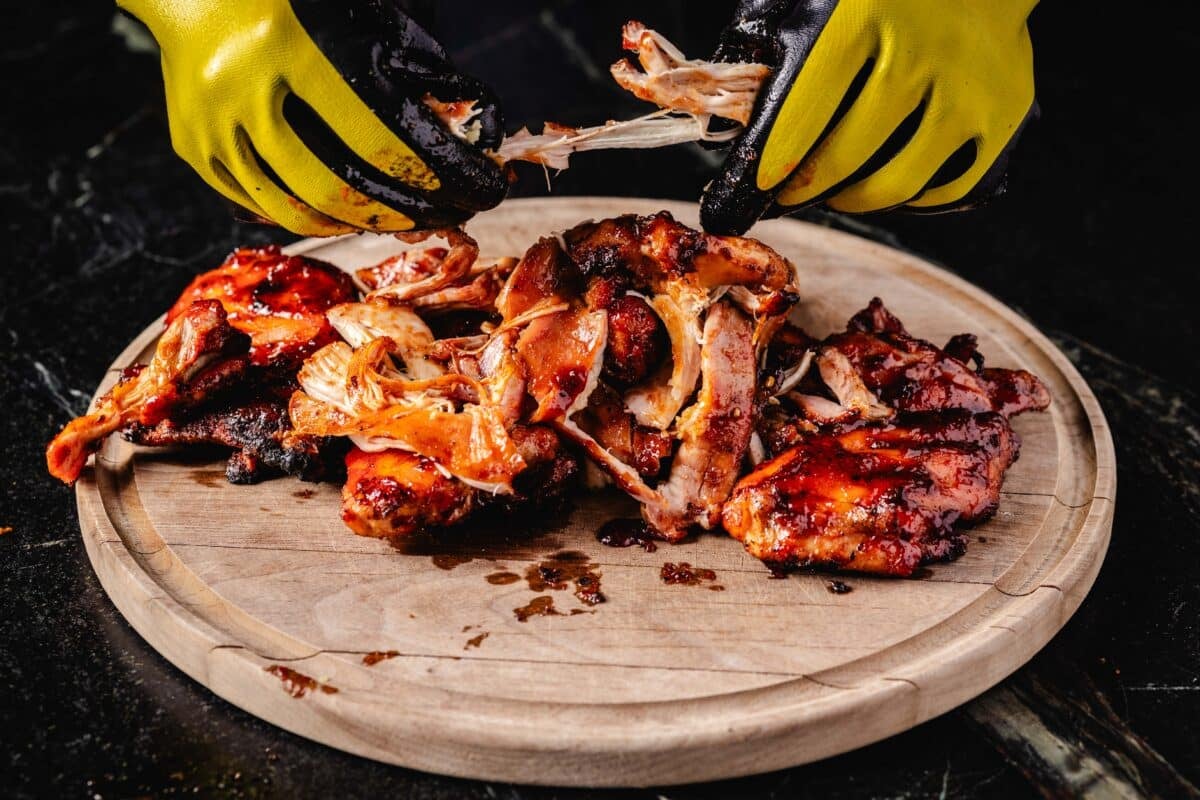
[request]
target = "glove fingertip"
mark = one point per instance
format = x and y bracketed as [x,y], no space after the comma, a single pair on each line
[732,202]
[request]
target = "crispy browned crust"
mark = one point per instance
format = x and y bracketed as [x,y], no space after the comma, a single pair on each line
[880,498]
[886,450]
[257,433]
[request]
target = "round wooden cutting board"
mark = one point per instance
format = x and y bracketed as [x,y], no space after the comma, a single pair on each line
[417,655]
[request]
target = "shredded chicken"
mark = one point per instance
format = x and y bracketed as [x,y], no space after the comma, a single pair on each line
[688,92]
[198,339]
[554,146]
[360,323]
[683,272]
[562,355]
[714,431]
[400,282]
[848,386]
[670,80]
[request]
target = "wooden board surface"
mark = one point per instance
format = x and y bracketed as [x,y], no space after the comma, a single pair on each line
[661,684]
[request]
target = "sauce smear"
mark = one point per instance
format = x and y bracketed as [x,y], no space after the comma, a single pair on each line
[297,684]
[626,533]
[685,574]
[560,569]
[375,656]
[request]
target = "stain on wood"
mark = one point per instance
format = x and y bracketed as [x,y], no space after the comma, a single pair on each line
[375,656]
[297,684]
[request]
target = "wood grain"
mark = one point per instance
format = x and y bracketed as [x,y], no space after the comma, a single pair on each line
[661,684]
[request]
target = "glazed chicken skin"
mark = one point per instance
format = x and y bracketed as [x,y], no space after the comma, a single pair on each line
[278,300]
[280,303]
[905,446]
[910,374]
[249,323]
[198,354]
[394,493]
[874,498]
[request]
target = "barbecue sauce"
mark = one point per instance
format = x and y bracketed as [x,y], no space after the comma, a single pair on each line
[375,656]
[560,569]
[449,561]
[685,574]
[626,533]
[540,606]
[297,684]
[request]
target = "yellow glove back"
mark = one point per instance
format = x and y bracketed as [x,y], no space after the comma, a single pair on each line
[875,104]
[308,113]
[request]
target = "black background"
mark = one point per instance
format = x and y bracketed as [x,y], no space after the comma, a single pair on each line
[103,227]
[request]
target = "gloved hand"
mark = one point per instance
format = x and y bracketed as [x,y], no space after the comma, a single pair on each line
[874,104]
[309,112]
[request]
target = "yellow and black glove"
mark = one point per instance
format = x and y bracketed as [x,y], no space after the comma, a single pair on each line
[308,113]
[874,104]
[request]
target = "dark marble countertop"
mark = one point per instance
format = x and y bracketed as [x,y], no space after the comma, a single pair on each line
[103,226]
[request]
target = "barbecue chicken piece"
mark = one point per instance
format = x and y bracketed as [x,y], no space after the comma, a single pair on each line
[681,272]
[361,394]
[255,431]
[714,431]
[437,279]
[198,355]
[615,430]
[910,374]
[880,454]
[254,319]
[395,493]
[662,286]
[429,451]
[881,498]
[279,300]
[586,324]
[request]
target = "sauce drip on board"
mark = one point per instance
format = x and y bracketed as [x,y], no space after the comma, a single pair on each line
[449,561]
[297,684]
[685,574]
[560,569]
[375,656]
[626,533]
[540,606]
